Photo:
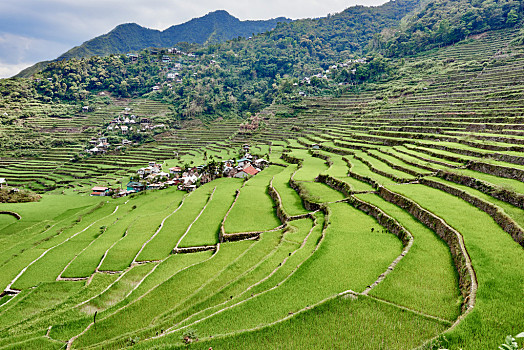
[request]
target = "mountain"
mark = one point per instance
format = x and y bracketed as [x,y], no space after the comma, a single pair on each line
[215,27]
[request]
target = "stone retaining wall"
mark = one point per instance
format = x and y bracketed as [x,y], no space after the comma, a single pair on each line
[497,170]
[194,249]
[380,172]
[494,191]
[383,219]
[467,279]
[396,166]
[500,217]
[335,184]
[12,213]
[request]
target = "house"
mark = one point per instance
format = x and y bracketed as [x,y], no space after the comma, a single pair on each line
[154,186]
[156,88]
[246,147]
[230,171]
[100,191]
[175,170]
[160,174]
[261,163]
[189,188]
[95,150]
[247,171]
[132,57]
[3,182]
[126,142]
[189,179]
[243,162]
[315,146]
[135,186]
[85,109]
[124,129]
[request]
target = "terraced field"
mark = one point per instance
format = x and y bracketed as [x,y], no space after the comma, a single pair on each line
[390,226]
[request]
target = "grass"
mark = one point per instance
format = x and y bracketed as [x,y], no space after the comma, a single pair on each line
[268,292]
[322,193]
[311,166]
[368,259]
[425,279]
[341,323]
[161,298]
[253,210]
[290,200]
[497,260]
[205,230]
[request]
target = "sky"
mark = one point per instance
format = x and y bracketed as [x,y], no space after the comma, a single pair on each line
[36,30]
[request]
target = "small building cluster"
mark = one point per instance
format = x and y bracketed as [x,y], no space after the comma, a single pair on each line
[153,177]
[100,144]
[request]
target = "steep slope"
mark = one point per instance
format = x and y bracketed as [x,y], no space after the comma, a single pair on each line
[444,22]
[214,27]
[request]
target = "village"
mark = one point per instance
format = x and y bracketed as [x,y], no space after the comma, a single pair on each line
[186,178]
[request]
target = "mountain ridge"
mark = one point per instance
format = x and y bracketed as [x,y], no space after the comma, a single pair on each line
[214,27]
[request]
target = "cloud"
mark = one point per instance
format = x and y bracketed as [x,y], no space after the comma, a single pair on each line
[8,70]
[37,30]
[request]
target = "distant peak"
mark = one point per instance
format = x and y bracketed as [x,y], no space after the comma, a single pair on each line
[219,13]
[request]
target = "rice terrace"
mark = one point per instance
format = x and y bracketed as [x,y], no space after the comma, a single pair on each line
[289,190]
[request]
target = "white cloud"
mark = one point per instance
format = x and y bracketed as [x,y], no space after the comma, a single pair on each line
[8,70]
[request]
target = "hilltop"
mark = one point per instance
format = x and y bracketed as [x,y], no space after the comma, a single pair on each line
[215,27]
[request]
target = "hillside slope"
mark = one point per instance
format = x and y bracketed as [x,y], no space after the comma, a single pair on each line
[215,27]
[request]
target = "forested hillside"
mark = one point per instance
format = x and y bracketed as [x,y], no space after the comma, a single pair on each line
[444,22]
[235,77]
[215,27]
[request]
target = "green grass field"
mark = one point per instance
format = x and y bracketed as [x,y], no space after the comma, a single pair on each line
[148,270]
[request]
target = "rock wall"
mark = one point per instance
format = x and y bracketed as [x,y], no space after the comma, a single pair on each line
[467,279]
[500,217]
[497,170]
[380,172]
[12,213]
[383,219]
[335,184]
[497,156]
[194,249]
[396,166]
[497,192]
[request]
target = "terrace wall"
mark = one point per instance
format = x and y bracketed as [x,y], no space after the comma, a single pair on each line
[500,171]
[500,217]
[12,213]
[497,192]
[467,279]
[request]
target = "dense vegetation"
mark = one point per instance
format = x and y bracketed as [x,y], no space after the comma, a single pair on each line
[13,195]
[444,22]
[214,27]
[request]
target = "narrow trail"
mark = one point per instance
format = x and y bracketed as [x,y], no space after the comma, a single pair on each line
[60,278]
[198,216]
[159,229]
[256,283]
[8,288]
[70,341]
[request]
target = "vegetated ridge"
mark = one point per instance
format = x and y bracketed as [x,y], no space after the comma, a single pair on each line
[215,27]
